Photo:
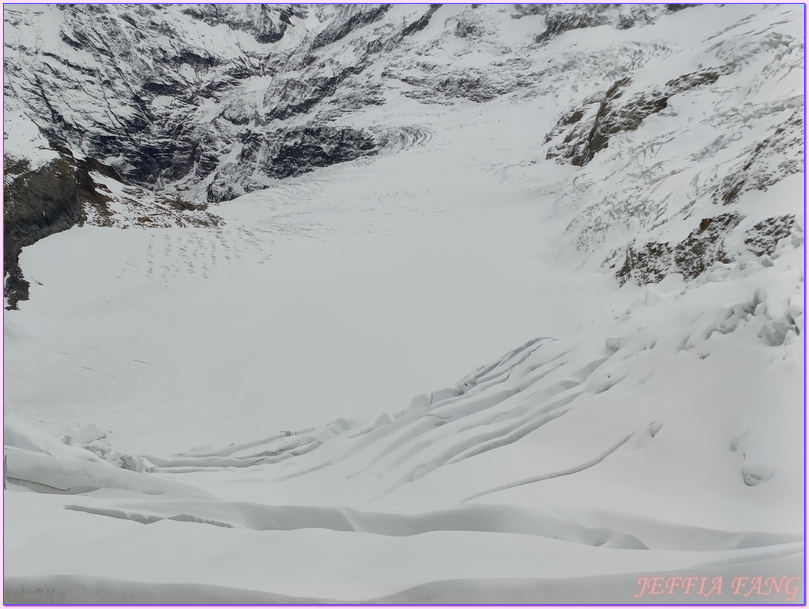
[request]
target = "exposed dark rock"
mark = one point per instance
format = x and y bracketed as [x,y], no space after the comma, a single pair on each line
[43,202]
[676,8]
[573,117]
[469,25]
[769,162]
[13,167]
[289,153]
[564,18]
[222,189]
[763,238]
[153,159]
[357,16]
[527,10]
[473,85]
[302,149]
[476,88]
[587,137]
[299,96]
[625,22]
[649,264]
[352,97]
[145,138]
[705,245]
[558,23]
[165,111]
[37,204]
[91,193]
[196,60]
[166,87]
[266,23]
[422,22]
[691,257]
[693,80]
[152,140]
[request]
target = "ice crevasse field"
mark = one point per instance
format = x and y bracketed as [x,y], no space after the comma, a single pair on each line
[415,377]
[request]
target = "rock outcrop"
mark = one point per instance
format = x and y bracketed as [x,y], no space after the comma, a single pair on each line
[588,129]
[38,203]
[186,106]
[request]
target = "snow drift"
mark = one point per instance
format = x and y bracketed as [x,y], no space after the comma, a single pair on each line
[282,233]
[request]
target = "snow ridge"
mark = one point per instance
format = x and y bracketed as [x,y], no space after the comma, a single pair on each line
[239,238]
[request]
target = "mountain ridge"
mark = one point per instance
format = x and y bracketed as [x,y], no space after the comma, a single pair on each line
[273,236]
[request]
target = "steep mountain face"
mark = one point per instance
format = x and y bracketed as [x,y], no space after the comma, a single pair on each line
[271,217]
[205,103]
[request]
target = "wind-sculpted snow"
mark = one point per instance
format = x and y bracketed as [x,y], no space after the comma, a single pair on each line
[529,390]
[523,591]
[260,241]
[535,398]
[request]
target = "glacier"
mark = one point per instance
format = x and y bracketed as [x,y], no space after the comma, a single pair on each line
[409,304]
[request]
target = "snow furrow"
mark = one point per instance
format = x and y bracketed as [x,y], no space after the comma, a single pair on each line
[563,472]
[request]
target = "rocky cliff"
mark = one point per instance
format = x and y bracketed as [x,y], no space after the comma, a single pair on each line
[203,103]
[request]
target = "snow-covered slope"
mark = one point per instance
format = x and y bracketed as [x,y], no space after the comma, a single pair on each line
[277,225]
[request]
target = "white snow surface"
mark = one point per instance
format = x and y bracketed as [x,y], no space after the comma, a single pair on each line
[413,378]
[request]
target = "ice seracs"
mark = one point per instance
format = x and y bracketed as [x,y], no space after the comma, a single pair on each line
[404,304]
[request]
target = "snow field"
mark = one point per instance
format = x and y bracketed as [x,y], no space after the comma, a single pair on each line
[305,403]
